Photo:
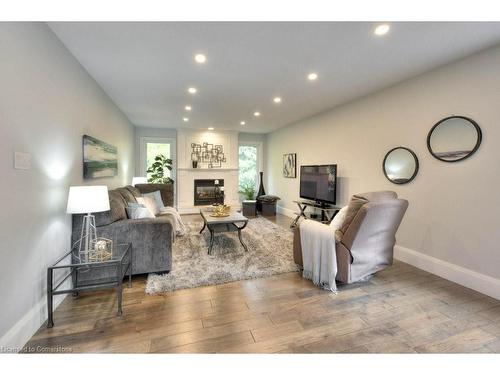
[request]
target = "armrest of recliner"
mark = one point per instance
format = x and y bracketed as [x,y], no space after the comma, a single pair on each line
[297,247]
[373,229]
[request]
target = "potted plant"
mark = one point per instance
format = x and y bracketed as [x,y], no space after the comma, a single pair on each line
[158,169]
[247,189]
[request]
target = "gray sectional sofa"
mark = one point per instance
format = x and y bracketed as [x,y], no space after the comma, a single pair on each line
[151,239]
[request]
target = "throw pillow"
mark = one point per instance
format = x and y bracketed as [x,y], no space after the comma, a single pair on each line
[150,203]
[352,210]
[157,197]
[338,220]
[136,211]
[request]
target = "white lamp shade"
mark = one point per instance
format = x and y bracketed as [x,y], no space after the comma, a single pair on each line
[139,180]
[87,199]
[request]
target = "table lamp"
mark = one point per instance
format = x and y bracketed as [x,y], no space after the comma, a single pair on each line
[139,180]
[87,200]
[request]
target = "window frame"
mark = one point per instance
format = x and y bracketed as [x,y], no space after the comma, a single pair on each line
[260,161]
[173,155]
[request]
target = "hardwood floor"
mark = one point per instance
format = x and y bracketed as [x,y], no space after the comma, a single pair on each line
[400,310]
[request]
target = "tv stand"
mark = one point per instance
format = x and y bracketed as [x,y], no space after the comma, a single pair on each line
[328,211]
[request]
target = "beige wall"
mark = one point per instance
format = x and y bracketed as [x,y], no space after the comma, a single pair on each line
[454,207]
[47,102]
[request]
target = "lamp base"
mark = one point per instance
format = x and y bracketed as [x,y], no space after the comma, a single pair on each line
[87,235]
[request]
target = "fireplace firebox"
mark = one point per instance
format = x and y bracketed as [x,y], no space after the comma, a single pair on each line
[207,192]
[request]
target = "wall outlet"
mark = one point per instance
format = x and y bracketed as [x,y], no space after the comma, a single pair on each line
[22,160]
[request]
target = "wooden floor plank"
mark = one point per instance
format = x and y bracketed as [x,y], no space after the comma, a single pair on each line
[461,343]
[399,310]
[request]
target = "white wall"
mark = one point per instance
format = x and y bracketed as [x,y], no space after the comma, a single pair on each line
[186,174]
[47,102]
[454,207]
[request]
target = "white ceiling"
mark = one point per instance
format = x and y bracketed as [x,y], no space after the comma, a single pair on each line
[146,68]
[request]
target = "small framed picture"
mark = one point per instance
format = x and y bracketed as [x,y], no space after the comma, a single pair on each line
[290,165]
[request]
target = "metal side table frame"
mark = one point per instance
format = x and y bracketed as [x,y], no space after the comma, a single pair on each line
[122,261]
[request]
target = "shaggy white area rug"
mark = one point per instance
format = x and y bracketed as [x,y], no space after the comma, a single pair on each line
[269,253]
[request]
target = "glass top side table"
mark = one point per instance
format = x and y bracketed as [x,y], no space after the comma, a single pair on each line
[89,275]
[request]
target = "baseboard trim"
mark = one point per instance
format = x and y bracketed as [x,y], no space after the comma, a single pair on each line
[471,279]
[15,338]
[285,211]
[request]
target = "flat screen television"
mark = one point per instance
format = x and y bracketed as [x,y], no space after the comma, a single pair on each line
[319,183]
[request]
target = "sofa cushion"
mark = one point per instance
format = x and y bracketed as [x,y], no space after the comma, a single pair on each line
[166,190]
[137,211]
[135,192]
[352,209]
[156,195]
[117,210]
[339,219]
[127,195]
[150,203]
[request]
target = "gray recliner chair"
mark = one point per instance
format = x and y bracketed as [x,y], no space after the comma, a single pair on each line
[365,243]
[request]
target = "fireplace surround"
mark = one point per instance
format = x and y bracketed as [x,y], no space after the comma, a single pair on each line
[206,192]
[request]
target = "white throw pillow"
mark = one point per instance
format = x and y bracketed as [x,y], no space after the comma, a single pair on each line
[338,220]
[139,212]
[157,196]
[150,203]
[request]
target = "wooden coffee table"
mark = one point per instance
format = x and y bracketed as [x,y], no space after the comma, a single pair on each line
[234,222]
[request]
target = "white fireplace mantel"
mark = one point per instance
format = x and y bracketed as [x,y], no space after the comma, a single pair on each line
[186,174]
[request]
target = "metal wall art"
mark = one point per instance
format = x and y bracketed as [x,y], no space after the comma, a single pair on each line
[207,153]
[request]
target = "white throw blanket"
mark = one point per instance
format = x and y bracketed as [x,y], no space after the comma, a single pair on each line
[180,229]
[319,255]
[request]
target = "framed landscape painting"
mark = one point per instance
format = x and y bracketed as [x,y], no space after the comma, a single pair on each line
[290,165]
[99,158]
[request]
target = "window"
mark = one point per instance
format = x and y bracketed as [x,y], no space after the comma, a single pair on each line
[249,164]
[152,147]
[153,150]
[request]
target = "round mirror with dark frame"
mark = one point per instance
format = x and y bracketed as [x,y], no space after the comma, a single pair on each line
[454,138]
[400,165]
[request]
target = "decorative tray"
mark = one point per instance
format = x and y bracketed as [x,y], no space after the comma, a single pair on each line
[219,215]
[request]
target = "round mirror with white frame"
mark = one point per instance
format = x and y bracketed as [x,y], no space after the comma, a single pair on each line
[454,138]
[400,165]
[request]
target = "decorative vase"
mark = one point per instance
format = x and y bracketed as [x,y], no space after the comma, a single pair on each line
[260,192]
[195,163]
[261,186]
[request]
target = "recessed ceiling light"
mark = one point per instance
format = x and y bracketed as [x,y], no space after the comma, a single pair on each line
[256,114]
[210,128]
[187,108]
[200,58]
[242,123]
[192,90]
[382,29]
[312,76]
[277,99]
[185,119]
